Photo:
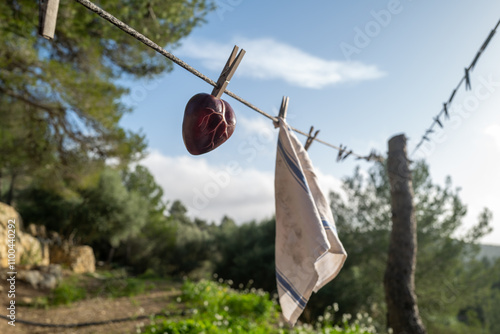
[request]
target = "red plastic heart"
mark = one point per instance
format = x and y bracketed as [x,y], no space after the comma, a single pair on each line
[208,123]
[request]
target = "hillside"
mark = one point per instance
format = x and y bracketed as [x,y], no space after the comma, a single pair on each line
[491,252]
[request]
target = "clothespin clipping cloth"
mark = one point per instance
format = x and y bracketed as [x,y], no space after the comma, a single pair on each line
[283,110]
[48,17]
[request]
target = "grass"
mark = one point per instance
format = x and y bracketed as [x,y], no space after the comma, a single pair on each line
[67,292]
[106,284]
[216,308]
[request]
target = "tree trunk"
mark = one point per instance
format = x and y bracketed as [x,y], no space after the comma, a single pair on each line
[399,282]
[10,193]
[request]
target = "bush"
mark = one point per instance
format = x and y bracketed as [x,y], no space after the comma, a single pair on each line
[216,308]
[67,292]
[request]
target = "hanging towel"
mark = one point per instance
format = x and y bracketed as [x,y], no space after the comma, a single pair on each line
[308,253]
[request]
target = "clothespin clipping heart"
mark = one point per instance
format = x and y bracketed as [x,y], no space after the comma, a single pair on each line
[208,120]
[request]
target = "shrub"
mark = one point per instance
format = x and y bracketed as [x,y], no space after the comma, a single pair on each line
[216,308]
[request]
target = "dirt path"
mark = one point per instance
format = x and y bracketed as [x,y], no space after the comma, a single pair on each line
[89,310]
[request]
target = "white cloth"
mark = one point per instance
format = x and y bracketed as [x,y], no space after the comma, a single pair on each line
[308,253]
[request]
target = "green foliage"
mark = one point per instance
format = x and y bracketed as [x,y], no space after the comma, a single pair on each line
[171,245]
[193,243]
[216,308]
[482,284]
[121,287]
[363,222]
[40,206]
[110,212]
[123,214]
[150,246]
[187,326]
[247,253]
[67,292]
[110,284]
[103,214]
[60,101]
[220,298]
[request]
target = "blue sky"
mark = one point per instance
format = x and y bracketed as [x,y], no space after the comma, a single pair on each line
[360,72]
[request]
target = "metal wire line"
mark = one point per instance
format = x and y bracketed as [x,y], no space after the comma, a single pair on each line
[140,37]
[465,78]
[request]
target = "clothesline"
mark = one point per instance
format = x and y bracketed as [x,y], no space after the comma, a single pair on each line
[466,79]
[343,152]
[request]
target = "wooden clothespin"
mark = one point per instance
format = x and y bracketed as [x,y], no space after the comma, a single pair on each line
[284,107]
[310,138]
[283,110]
[228,71]
[346,155]
[48,18]
[341,152]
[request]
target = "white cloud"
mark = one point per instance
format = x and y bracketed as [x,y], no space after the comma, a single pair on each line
[270,59]
[493,131]
[327,183]
[212,191]
[258,126]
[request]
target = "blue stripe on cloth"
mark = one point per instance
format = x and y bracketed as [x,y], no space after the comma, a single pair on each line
[328,226]
[290,290]
[293,167]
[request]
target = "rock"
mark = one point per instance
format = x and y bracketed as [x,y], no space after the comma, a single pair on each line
[82,259]
[31,250]
[33,277]
[79,259]
[55,270]
[48,282]
[52,275]
[38,231]
[59,253]
[26,301]
[44,277]
[7,213]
